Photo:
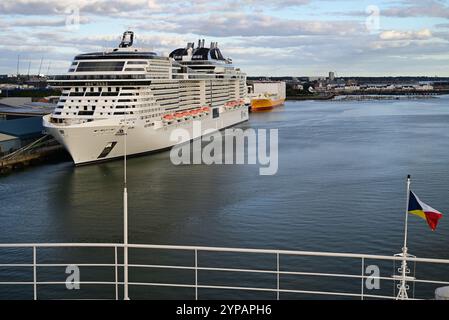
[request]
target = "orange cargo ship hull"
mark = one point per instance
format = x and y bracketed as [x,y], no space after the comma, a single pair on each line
[265,104]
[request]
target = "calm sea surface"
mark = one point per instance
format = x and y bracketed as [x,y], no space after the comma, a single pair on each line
[340,187]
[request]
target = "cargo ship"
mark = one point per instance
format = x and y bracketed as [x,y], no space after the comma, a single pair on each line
[267,95]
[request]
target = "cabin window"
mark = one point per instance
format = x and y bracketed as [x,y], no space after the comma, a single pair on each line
[85,113]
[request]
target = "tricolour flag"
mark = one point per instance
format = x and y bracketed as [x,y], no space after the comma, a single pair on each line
[416,206]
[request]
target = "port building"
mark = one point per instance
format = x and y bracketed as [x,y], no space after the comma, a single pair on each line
[8,144]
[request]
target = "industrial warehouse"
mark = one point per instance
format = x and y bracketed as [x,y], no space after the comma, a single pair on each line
[22,139]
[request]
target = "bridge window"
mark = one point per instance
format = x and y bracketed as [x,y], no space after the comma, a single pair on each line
[100,66]
[136,62]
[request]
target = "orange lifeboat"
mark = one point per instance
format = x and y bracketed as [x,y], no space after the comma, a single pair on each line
[186,114]
[168,117]
[179,115]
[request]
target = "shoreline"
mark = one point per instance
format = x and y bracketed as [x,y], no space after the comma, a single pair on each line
[367,96]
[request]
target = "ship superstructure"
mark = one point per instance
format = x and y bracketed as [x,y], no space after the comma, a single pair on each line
[149,95]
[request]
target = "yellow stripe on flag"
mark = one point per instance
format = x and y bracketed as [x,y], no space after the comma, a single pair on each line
[419,213]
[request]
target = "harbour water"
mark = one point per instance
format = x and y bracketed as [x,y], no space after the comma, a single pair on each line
[340,187]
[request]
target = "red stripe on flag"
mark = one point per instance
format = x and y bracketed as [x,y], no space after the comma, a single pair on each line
[432,219]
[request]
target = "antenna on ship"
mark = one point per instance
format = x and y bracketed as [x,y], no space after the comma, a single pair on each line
[29,66]
[18,65]
[48,69]
[40,67]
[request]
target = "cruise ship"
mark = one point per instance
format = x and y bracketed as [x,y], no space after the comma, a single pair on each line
[145,96]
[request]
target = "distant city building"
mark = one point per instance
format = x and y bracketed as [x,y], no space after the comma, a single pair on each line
[316,78]
[331,76]
[424,87]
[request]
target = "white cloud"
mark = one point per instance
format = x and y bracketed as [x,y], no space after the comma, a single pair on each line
[427,8]
[257,34]
[120,7]
[406,35]
[250,25]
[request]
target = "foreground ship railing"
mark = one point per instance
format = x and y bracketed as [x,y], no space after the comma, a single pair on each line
[282,263]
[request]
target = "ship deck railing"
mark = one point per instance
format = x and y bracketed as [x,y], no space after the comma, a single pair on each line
[277,288]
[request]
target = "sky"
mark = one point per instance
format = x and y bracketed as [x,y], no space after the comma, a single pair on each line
[263,37]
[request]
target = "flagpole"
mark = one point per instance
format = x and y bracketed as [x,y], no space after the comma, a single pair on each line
[403,287]
[406,213]
[125,213]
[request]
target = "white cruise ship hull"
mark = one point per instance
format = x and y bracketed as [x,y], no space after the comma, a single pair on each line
[103,140]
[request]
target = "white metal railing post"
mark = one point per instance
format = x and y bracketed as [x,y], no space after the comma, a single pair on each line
[116,272]
[277,276]
[34,274]
[363,278]
[196,274]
